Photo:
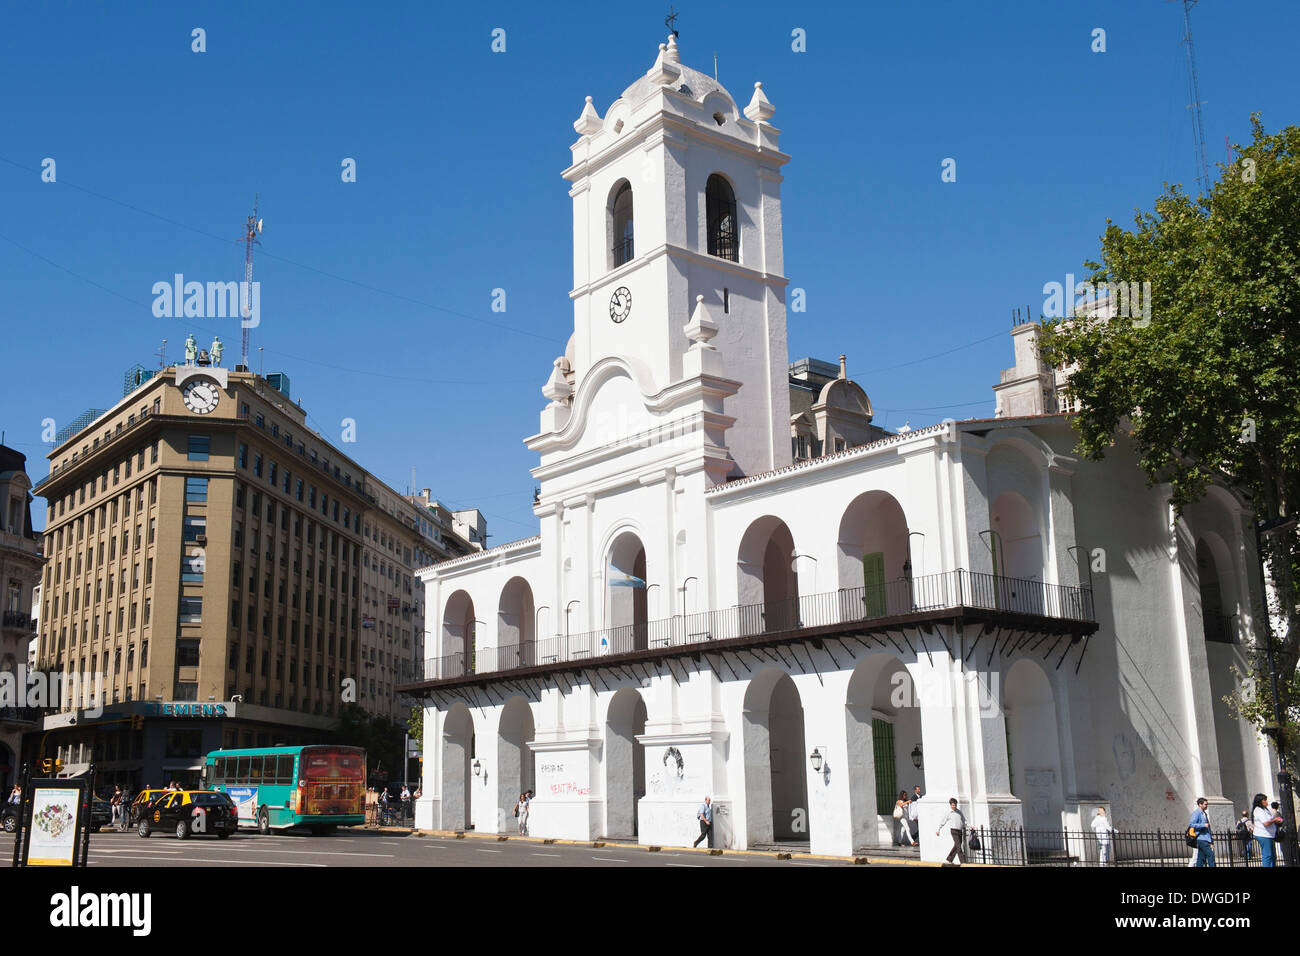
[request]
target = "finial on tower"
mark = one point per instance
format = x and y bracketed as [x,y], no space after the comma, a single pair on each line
[760,108]
[843,373]
[670,21]
[588,121]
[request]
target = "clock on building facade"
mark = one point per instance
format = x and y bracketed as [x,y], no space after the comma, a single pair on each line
[201,395]
[620,304]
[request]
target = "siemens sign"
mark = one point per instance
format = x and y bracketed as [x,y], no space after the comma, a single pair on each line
[177,709]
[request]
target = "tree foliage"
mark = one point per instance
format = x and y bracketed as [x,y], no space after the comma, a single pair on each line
[380,736]
[1208,389]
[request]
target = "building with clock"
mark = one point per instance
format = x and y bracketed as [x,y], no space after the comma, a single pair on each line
[205,547]
[801,631]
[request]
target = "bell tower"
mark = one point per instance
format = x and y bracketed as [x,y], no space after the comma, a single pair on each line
[677,254]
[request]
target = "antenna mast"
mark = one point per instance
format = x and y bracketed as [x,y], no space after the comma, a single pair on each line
[1198,123]
[251,231]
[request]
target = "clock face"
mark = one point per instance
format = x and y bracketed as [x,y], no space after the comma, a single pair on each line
[201,395]
[620,304]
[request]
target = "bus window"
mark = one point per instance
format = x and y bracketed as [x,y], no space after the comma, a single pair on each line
[218,771]
[255,770]
[285,772]
[241,774]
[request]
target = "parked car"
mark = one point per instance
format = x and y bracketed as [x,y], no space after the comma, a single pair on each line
[101,815]
[185,812]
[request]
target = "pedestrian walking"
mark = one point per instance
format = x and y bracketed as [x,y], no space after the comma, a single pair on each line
[1282,839]
[901,823]
[116,803]
[16,795]
[1101,826]
[914,815]
[1245,835]
[705,816]
[522,808]
[1199,827]
[1266,820]
[406,802]
[955,821]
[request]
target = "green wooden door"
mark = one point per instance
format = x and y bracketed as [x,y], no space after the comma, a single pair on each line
[873,584]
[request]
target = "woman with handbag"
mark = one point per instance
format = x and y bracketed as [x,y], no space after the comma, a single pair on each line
[1266,820]
[901,822]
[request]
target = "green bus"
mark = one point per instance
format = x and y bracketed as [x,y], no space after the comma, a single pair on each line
[320,787]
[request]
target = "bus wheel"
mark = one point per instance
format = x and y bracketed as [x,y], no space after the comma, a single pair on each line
[317,830]
[328,829]
[264,822]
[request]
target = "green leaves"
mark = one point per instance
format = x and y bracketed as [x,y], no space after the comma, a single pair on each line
[1210,389]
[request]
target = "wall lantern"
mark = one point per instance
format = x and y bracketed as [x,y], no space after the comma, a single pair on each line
[916,756]
[478,768]
[816,759]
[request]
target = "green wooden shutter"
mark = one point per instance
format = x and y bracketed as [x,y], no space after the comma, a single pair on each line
[882,745]
[873,584]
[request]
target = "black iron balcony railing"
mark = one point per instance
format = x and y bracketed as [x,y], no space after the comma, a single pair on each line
[18,619]
[950,591]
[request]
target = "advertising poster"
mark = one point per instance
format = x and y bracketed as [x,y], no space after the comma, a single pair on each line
[54,827]
[246,801]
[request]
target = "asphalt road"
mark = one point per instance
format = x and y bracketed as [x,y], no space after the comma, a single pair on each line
[368,848]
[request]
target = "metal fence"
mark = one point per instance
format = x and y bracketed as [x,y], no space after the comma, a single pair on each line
[949,590]
[1013,846]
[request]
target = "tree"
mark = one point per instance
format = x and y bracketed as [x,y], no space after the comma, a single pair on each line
[415,726]
[380,736]
[1207,385]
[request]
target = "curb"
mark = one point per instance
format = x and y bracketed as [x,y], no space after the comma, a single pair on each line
[653,848]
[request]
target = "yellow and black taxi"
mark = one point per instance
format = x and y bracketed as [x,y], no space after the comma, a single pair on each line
[141,801]
[186,812]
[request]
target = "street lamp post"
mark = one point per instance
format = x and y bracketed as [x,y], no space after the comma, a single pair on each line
[683,590]
[537,617]
[566,625]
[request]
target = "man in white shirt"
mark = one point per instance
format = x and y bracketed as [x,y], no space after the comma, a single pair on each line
[955,821]
[705,816]
[1102,828]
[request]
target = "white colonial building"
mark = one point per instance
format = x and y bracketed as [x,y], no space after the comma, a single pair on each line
[969,607]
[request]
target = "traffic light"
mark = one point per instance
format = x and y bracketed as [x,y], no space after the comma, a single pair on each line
[137,721]
[46,765]
[58,766]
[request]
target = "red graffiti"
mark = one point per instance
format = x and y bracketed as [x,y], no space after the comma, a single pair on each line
[569,788]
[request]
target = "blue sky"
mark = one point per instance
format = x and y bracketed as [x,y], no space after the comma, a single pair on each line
[376,295]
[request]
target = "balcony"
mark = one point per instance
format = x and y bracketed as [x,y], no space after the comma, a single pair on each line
[19,619]
[1027,607]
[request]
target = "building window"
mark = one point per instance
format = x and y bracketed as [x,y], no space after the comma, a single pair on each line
[196,489]
[257,465]
[720,203]
[192,569]
[621,231]
[191,610]
[198,449]
[187,653]
[194,528]
[243,455]
[187,690]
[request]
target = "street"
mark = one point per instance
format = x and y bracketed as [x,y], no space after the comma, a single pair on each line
[379,848]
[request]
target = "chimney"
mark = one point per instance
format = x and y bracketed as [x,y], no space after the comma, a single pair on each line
[843,374]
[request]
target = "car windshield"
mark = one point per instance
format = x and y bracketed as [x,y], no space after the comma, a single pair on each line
[211,799]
